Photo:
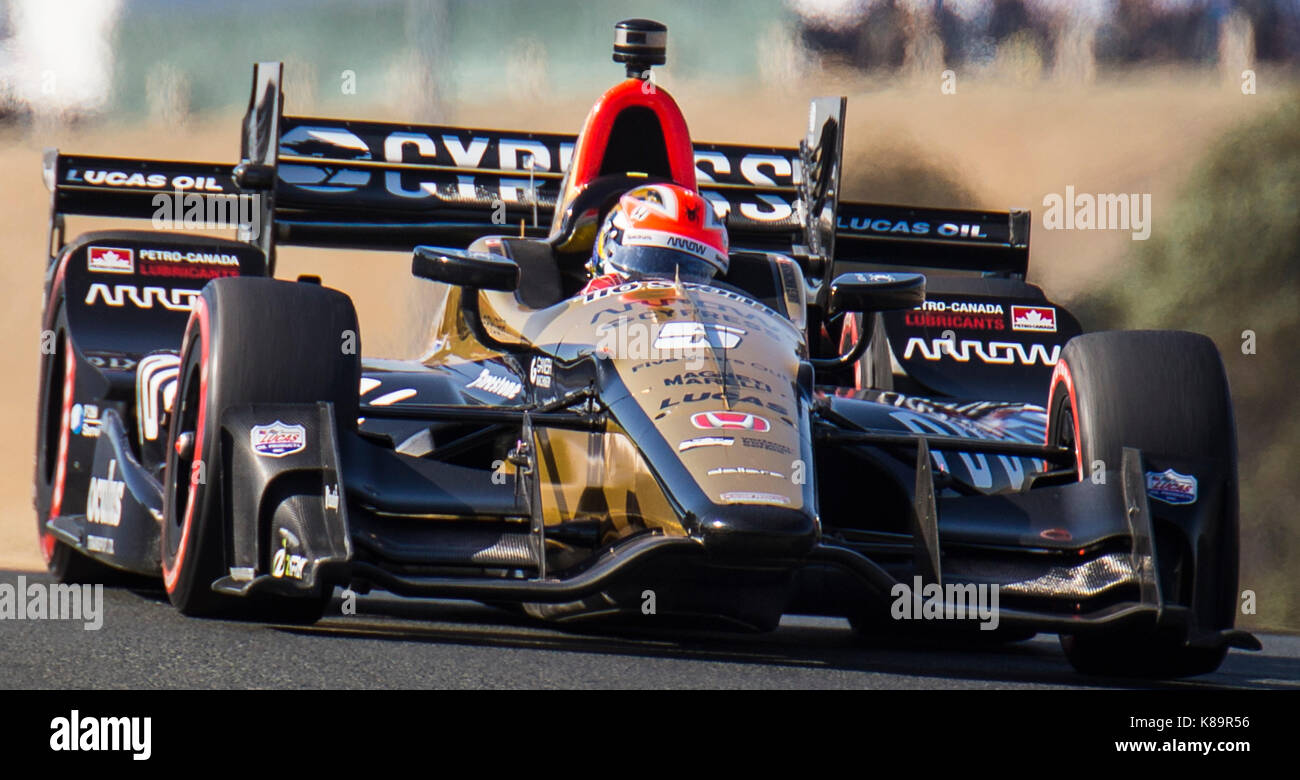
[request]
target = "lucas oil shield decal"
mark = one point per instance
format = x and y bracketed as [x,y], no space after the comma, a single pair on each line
[277,439]
[1171,487]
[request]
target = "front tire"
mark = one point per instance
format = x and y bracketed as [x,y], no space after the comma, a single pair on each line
[1165,393]
[249,340]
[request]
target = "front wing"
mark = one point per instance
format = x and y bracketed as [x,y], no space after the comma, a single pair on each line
[1067,556]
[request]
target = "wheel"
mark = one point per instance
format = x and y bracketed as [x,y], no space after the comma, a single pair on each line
[249,340]
[1138,654]
[1166,393]
[872,370]
[58,382]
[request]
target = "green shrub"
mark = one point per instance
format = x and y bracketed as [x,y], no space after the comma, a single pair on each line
[1224,260]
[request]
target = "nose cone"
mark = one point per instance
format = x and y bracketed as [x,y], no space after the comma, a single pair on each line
[756,533]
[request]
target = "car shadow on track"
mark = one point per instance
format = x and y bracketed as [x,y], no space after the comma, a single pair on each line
[806,644]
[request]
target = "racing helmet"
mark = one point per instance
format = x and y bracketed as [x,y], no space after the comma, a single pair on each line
[661,231]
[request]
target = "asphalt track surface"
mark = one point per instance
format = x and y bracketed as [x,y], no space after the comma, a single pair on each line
[399,643]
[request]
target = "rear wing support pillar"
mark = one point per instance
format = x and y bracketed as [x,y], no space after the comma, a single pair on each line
[258,153]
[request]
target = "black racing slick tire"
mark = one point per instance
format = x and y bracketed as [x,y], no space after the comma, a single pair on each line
[58,378]
[249,340]
[1165,393]
[871,371]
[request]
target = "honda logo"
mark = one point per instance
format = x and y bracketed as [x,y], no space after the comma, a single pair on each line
[736,421]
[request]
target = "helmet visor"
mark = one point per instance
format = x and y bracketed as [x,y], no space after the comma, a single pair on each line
[660,263]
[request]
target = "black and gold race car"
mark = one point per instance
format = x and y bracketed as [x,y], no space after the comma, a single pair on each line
[872,415]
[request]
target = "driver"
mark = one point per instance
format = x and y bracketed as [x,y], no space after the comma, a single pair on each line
[658,231]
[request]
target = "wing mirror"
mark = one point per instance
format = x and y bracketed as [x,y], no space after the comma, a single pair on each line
[463,268]
[864,293]
[876,291]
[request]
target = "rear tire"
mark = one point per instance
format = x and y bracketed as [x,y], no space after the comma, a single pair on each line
[1165,393]
[249,340]
[871,371]
[65,563]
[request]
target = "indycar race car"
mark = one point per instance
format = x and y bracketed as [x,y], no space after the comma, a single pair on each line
[870,415]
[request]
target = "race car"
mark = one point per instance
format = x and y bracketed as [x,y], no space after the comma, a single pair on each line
[871,414]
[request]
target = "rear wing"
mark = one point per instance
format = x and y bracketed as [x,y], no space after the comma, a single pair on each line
[374,185]
[380,184]
[994,242]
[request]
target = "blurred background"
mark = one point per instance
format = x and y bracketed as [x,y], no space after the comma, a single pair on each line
[981,103]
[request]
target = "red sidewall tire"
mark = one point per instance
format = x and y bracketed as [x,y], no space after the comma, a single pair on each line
[187,553]
[1165,393]
[53,439]
[250,340]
